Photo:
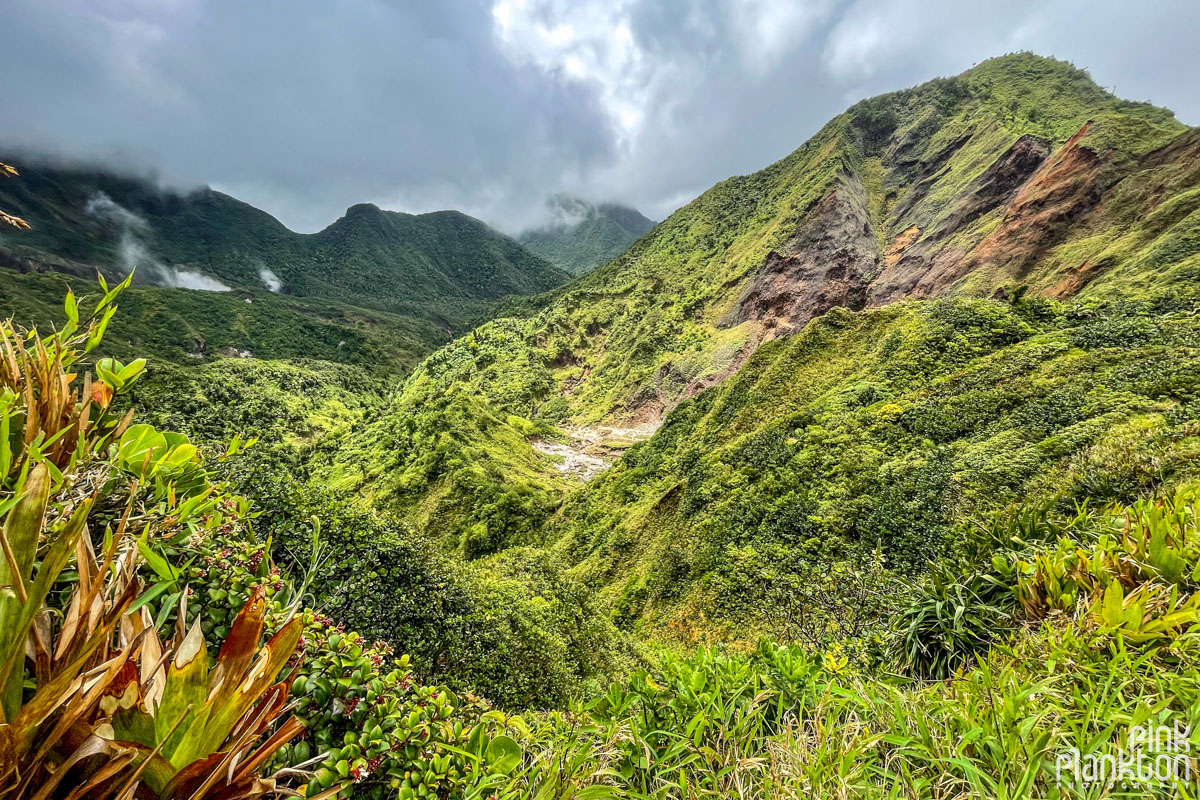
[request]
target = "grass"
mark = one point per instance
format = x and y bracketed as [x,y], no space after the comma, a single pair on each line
[777,722]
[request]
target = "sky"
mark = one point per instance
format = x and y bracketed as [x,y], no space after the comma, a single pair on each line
[305,107]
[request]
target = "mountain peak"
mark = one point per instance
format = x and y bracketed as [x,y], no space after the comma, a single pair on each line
[581,235]
[379,259]
[363,211]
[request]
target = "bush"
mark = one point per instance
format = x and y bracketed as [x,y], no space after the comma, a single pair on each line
[947,624]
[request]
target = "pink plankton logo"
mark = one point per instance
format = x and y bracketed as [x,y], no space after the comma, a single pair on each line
[1152,756]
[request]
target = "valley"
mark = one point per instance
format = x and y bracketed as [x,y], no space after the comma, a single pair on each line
[866,474]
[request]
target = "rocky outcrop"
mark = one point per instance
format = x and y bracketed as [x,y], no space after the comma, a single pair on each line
[826,263]
[904,240]
[999,183]
[928,266]
[1063,190]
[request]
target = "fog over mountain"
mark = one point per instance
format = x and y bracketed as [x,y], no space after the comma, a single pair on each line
[303,108]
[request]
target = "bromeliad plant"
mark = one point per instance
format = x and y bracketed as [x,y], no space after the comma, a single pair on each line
[43,417]
[94,703]
[115,711]
[175,559]
[1133,570]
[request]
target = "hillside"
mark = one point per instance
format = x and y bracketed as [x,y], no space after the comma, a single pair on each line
[192,327]
[581,236]
[443,268]
[1021,175]
[881,433]
[873,474]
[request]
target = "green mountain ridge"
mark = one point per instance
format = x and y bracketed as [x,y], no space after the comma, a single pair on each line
[952,298]
[875,473]
[1020,176]
[581,236]
[444,268]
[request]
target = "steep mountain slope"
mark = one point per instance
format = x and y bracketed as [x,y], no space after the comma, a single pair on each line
[581,236]
[443,267]
[1019,175]
[884,430]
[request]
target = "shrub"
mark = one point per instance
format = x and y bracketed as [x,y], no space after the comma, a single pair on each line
[947,624]
[103,707]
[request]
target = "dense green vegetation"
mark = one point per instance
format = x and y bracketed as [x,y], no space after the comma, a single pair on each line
[902,501]
[881,430]
[192,327]
[288,406]
[439,271]
[581,236]
[1076,663]
[1058,629]
[513,629]
[173,659]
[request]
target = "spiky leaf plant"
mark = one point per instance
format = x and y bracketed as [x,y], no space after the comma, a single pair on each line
[6,218]
[93,702]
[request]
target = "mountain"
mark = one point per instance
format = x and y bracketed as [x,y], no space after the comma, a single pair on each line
[581,236]
[833,468]
[444,268]
[1020,193]
[192,327]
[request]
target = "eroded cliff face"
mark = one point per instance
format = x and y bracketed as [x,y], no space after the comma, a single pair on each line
[841,256]
[1002,229]
[1042,212]
[920,264]
[827,263]
[918,230]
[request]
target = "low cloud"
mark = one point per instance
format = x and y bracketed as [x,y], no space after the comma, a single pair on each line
[490,106]
[565,211]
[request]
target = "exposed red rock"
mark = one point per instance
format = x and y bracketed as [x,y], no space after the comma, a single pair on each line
[931,266]
[1065,188]
[902,242]
[825,264]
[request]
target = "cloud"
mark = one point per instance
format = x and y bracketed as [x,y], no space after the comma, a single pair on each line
[304,107]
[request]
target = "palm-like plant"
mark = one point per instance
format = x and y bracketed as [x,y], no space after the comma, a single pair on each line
[93,703]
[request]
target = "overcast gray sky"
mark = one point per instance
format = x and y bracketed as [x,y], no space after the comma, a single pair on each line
[304,107]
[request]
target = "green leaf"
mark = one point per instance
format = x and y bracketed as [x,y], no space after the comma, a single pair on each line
[503,755]
[71,307]
[162,568]
[148,595]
